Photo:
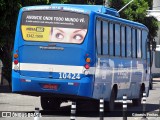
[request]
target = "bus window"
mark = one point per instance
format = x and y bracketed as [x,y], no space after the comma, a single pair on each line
[117,39]
[98,36]
[139,43]
[105,38]
[123,41]
[111,44]
[128,40]
[133,43]
[144,44]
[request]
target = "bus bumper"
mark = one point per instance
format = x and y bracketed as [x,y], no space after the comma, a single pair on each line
[82,87]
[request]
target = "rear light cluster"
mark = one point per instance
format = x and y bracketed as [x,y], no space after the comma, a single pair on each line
[15,62]
[16,68]
[87,65]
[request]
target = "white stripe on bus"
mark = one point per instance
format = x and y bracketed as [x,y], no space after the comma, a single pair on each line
[53,68]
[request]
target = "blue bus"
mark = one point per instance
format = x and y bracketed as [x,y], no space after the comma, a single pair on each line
[81,53]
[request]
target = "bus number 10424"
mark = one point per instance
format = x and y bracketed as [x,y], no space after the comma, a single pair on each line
[69,75]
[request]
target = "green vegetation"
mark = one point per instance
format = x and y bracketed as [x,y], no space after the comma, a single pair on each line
[9,11]
[158,24]
[136,11]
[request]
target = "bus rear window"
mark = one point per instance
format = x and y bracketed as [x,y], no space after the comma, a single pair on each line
[54,26]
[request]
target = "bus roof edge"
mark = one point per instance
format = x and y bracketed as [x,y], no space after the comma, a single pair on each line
[95,8]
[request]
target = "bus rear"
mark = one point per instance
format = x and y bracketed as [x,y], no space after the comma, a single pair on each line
[51,54]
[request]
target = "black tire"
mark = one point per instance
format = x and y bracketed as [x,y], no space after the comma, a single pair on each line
[85,105]
[137,102]
[112,99]
[151,84]
[48,103]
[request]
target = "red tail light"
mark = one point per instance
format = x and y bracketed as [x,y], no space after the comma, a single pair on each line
[87,66]
[15,62]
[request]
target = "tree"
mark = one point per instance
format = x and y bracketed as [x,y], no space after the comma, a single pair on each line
[9,12]
[136,11]
[34,2]
[150,4]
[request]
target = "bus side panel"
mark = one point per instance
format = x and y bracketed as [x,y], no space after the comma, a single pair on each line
[127,74]
[103,78]
[130,78]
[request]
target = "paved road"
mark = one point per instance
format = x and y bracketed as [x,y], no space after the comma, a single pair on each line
[15,102]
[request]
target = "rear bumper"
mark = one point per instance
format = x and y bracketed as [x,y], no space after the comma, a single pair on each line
[34,86]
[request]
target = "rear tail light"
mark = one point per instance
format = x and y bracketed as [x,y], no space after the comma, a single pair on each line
[88,60]
[87,55]
[87,66]
[15,62]
[15,56]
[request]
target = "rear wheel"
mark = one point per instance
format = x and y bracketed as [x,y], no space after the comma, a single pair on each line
[137,102]
[48,103]
[151,84]
[112,99]
[85,105]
